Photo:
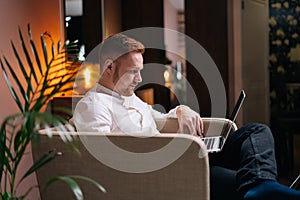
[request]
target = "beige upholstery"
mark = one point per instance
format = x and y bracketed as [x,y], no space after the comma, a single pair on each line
[181,161]
[212,126]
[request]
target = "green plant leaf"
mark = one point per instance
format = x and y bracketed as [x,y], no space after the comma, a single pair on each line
[5,159]
[34,51]
[12,90]
[71,183]
[16,79]
[52,43]
[41,85]
[19,141]
[47,120]
[100,187]
[29,93]
[7,196]
[44,47]
[29,62]
[53,47]
[23,70]
[58,46]
[6,156]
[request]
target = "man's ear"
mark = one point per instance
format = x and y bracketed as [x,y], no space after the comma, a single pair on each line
[108,65]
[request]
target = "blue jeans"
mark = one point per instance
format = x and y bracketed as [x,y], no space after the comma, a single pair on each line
[248,156]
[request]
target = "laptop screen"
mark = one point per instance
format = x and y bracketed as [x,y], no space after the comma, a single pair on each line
[237,106]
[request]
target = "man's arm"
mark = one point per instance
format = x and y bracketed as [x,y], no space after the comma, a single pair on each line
[189,121]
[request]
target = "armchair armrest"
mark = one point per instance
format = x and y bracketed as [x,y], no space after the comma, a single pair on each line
[212,126]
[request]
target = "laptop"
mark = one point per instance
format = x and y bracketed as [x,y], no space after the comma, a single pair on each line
[215,141]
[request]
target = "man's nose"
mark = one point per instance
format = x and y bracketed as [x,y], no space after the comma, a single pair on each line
[138,77]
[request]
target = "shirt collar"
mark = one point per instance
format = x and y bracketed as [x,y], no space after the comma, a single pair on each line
[101,89]
[127,101]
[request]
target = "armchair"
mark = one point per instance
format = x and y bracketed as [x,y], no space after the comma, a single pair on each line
[179,170]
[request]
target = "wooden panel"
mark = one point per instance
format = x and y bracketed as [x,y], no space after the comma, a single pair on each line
[149,14]
[255,61]
[206,22]
[136,14]
[146,14]
[64,106]
[92,24]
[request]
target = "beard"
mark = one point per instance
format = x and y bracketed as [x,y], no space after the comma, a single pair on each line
[125,89]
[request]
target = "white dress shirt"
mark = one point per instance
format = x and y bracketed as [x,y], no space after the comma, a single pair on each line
[103,110]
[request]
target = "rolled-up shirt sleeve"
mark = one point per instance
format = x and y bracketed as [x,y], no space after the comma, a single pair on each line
[171,114]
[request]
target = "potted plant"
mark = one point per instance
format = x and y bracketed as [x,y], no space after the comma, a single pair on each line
[41,78]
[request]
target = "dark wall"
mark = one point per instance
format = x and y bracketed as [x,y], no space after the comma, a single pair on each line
[92,24]
[137,14]
[206,22]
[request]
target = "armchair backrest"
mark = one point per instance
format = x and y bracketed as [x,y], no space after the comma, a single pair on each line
[166,166]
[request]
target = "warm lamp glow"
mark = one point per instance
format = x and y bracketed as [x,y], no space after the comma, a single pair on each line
[87,78]
[167,76]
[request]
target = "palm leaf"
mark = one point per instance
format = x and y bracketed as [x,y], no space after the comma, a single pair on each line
[11,89]
[6,195]
[53,48]
[16,79]
[5,157]
[58,59]
[5,154]
[100,187]
[52,42]
[23,70]
[44,47]
[34,51]
[46,83]
[71,183]
[25,134]
[29,62]
[32,121]
[41,85]
[29,92]
[58,45]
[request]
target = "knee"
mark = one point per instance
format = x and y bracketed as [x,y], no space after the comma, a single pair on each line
[260,126]
[261,129]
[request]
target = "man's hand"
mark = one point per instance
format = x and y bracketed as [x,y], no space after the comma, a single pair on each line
[189,121]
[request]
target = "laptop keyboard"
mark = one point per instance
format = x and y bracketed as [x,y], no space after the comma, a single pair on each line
[213,142]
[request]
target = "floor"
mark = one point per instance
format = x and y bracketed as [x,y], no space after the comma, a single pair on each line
[295,171]
[297,154]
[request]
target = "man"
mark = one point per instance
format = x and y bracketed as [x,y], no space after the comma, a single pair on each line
[247,161]
[117,107]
